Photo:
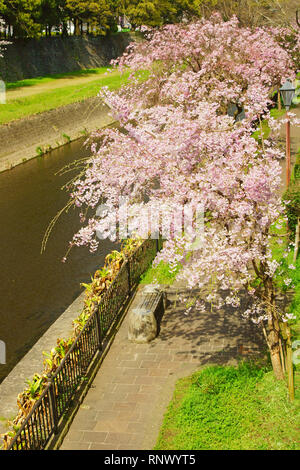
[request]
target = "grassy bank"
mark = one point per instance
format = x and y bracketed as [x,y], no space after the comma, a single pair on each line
[45,100]
[228,408]
[29,82]
[160,274]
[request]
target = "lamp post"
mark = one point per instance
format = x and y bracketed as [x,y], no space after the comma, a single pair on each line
[287,92]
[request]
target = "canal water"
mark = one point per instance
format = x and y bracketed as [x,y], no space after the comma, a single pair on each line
[35,289]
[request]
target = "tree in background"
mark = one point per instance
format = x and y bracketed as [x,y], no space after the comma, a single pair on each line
[249,12]
[29,18]
[51,14]
[150,12]
[23,15]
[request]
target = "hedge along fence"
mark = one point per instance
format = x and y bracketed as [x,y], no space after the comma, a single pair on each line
[48,397]
[292,200]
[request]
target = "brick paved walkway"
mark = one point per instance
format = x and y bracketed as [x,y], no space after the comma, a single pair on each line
[125,406]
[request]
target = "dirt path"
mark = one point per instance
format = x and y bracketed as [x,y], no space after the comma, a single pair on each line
[25,91]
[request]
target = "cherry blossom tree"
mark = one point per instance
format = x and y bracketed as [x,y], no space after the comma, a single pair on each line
[177,144]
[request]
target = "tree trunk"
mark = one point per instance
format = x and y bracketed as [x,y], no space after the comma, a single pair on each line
[275,359]
[76,22]
[65,29]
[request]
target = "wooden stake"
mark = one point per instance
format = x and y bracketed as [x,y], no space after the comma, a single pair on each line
[296,241]
[286,332]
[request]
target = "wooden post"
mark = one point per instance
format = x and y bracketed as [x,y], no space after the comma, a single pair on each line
[290,369]
[286,333]
[296,241]
[279,101]
[288,150]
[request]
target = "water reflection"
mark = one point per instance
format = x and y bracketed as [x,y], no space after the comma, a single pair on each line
[35,289]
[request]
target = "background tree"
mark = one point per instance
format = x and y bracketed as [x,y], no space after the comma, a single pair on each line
[51,15]
[99,14]
[249,12]
[23,16]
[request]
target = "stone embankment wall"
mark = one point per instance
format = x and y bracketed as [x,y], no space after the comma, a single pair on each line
[33,58]
[27,138]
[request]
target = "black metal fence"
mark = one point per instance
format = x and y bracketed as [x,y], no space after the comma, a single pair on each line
[44,418]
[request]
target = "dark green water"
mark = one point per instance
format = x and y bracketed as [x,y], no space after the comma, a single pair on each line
[35,289]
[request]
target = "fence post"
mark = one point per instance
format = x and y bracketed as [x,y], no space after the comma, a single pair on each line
[129,276]
[52,403]
[99,332]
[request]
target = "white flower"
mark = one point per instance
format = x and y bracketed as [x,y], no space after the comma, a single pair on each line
[288,316]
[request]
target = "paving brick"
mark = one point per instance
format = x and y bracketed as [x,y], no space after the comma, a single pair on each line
[100,404]
[101,446]
[167,364]
[150,388]
[118,438]
[141,397]
[74,435]
[123,379]
[127,388]
[129,447]
[150,380]
[125,406]
[131,364]
[130,416]
[94,436]
[105,415]
[136,427]
[112,425]
[158,372]
[67,445]
[148,364]
[135,371]
[148,356]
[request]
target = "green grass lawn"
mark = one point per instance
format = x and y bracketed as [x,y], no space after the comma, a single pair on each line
[159,274]
[228,408]
[47,100]
[275,113]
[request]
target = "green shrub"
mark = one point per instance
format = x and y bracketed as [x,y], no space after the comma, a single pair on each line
[292,199]
[297,167]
